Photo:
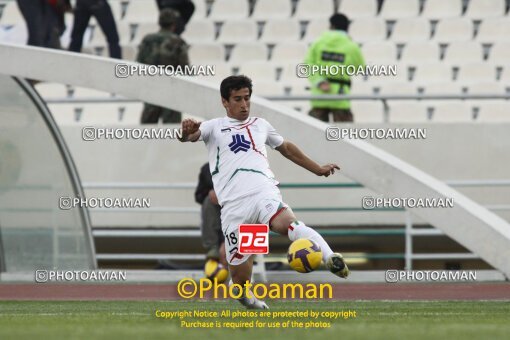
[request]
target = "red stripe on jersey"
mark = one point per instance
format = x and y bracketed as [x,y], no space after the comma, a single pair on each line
[243,126]
[253,142]
[291,228]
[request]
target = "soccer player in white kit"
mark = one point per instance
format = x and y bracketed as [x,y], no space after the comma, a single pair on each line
[245,185]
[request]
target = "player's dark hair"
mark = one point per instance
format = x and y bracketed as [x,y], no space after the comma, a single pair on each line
[339,21]
[234,83]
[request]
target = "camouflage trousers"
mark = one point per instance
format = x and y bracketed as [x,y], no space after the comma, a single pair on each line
[152,113]
[339,115]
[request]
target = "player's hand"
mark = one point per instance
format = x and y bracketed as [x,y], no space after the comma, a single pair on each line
[189,126]
[213,197]
[324,86]
[326,170]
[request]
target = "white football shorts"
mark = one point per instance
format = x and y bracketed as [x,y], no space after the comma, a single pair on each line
[258,208]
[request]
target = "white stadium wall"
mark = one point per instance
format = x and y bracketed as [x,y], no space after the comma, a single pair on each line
[450,152]
[473,226]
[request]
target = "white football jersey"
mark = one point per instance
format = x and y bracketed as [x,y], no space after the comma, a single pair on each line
[237,155]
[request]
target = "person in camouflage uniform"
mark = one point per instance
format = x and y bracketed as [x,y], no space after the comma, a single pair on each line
[185,9]
[163,48]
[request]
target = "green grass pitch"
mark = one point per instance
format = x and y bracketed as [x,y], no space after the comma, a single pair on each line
[136,320]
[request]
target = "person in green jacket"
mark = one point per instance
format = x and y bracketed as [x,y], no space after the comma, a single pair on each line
[327,59]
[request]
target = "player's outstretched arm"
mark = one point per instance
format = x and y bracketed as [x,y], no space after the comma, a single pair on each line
[190,130]
[292,152]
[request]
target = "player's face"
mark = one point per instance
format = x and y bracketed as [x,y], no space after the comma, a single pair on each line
[238,105]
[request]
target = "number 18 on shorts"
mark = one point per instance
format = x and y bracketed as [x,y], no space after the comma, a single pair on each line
[254,239]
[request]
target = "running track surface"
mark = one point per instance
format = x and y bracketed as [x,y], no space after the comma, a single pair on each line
[375,291]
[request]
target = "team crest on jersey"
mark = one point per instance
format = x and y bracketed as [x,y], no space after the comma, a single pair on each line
[239,143]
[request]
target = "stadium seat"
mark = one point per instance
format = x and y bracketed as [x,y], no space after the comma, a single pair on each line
[367,29]
[66,114]
[65,38]
[268,88]
[398,88]
[405,111]
[245,52]
[130,113]
[298,89]
[443,88]
[238,31]
[488,88]
[221,71]
[494,30]
[398,9]
[289,52]
[129,52]
[272,9]
[199,31]
[281,30]
[11,15]
[367,111]
[453,30]
[410,30]
[142,11]
[441,9]
[259,71]
[142,30]
[452,112]
[361,88]
[289,76]
[428,73]
[224,10]
[500,53]
[17,34]
[51,90]
[482,9]
[459,53]
[200,10]
[301,106]
[124,30]
[203,53]
[402,76]
[314,29]
[493,111]
[379,52]
[90,50]
[314,9]
[82,92]
[505,75]
[415,53]
[98,39]
[101,114]
[354,9]
[476,72]
[485,89]
[116,6]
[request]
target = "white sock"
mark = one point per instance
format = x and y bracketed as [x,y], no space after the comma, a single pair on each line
[244,299]
[298,229]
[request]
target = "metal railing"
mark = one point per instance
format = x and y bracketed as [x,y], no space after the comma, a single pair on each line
[383,98]
[408,232]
